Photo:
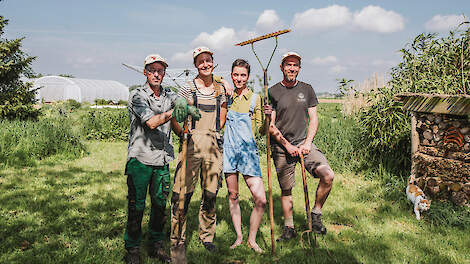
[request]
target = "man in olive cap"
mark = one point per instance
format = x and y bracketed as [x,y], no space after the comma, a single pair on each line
[153,111]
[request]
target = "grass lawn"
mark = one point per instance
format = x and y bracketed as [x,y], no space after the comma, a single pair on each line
[75,212]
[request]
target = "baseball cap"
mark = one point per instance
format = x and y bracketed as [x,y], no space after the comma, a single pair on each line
[290,53]
[155,58]
[200,50]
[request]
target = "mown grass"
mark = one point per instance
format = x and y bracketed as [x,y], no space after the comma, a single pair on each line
[63,211]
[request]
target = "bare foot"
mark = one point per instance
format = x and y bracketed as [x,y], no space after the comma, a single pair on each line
[237,243]
[255,247]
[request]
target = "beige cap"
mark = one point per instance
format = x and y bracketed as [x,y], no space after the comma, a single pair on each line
[155,58]
[290,53]
[200,50]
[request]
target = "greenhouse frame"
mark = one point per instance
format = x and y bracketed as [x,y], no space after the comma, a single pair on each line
[57,88]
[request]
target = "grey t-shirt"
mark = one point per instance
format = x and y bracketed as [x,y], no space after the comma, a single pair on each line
[150,146]
[291,106]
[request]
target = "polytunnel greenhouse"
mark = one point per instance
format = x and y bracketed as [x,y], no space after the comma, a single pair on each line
[57,88]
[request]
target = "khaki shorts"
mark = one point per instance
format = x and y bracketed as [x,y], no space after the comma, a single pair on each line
[285,166]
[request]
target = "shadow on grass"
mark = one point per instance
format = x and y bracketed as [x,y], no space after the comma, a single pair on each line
[65,216]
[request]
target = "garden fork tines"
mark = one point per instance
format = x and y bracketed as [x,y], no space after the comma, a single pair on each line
[268,144]
[308,232]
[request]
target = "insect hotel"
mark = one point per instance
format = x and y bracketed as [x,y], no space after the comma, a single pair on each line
[440,144]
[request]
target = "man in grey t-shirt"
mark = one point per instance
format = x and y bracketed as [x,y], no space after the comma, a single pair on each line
[294,123]
[150,110]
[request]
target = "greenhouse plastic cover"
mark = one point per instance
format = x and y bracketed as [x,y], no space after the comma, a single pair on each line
[57,88]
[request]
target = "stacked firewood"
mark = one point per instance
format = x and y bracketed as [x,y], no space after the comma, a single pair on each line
[442,159]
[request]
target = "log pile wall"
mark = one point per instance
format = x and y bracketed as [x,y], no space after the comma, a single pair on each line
[441,160]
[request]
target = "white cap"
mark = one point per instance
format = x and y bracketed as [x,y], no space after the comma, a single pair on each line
[290,53]
[200,50]
[155,58]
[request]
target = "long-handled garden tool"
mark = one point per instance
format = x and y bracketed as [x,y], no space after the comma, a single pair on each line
[182,179]
[307,207]
[268,145]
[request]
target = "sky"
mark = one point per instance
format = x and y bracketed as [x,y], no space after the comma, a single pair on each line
[352,39]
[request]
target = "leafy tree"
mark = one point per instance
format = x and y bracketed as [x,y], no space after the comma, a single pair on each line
[16,96]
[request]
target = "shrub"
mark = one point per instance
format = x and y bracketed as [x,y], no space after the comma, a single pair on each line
[122,102]
[101,101]
[71,104]
[429,65]
[24,142]
[106,124]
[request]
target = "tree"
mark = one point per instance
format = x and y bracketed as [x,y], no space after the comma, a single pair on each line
[16,96]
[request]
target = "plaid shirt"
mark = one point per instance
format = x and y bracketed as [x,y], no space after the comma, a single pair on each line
[150,147]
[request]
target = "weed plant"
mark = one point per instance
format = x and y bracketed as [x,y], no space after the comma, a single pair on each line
[106,124]
[24,142]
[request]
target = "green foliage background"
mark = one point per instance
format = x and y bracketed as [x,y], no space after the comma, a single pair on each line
[430,64]
[16,96]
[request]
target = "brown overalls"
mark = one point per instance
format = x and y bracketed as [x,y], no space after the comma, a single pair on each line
[204,159]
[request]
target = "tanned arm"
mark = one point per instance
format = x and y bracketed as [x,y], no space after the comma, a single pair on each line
[176,127]
[277,135]
[160,119]
[223,114]
[312,130]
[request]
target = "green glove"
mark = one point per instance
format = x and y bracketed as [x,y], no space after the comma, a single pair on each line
[217,78]
[180,111]
[194,112]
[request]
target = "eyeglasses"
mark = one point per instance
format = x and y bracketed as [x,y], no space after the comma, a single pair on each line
[153,71]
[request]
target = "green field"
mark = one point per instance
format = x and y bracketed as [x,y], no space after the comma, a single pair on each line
[74,211]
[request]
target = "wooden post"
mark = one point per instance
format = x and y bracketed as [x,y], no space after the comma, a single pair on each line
[414,142]
[268,164]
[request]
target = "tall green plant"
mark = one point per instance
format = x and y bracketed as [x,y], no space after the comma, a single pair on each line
[430,64]
[16,96]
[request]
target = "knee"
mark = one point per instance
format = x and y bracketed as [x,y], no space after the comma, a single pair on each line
[233,196]
[209,199]
[260,201]
[327,175]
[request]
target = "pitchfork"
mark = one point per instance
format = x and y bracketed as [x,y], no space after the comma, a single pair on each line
[307,208]
[268,145]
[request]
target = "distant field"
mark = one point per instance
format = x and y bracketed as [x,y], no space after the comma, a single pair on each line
[330,100]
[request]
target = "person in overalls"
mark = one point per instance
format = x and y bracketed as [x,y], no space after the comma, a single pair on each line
[241,152]
[204,155]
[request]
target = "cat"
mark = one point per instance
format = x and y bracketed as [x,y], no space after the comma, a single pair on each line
[416,196]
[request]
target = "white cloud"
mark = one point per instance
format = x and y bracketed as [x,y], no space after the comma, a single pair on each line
[219,40]
[443,23]
[337,69]
[323,18]
[182,57]
[269,21]
[375,18]
[324,60]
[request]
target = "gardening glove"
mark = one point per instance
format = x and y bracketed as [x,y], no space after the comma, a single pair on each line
[180,111]
[194,112]
[217,78]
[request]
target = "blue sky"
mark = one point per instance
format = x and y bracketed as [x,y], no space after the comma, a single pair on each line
[350,39]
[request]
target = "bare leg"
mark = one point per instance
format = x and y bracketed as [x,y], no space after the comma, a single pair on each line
[256,186]
[232,186]
[287,204]
[326,176]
